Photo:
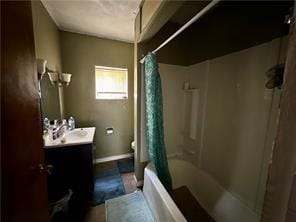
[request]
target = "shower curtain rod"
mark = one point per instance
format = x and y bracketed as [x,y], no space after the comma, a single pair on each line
[196,17]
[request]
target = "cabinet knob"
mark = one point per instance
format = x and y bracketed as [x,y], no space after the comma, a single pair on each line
[45,169]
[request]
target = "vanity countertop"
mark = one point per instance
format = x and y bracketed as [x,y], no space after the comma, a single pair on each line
[78,136]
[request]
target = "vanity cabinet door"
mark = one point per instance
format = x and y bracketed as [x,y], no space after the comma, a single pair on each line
[72,169]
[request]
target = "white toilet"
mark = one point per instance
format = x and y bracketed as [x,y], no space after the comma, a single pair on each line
[133,145]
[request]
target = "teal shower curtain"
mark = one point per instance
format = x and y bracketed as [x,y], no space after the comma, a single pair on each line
[154,121]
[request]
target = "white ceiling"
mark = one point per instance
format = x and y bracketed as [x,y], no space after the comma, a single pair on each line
[112,19]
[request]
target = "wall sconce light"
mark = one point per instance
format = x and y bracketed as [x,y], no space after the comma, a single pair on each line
[66,77]
[54,77]
[41,67]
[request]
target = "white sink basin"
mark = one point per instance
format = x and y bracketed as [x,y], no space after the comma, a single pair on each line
[77,133]
[77,136]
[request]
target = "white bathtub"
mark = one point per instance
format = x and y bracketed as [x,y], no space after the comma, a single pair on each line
[220,204]
[162,206]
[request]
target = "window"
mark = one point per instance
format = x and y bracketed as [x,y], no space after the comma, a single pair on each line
[111,83]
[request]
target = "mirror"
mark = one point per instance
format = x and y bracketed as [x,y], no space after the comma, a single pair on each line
[51,85]
[49,93]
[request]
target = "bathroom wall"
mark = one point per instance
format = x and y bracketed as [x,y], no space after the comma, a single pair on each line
[47,46]
[236,121]
[173,53]
[219,32]
[80,54]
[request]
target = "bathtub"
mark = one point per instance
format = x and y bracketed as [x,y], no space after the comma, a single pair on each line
[219,203]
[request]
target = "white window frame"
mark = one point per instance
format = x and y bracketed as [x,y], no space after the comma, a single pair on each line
[111,68]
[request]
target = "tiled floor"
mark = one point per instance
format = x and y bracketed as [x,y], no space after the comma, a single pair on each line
[129,182]
[97,213]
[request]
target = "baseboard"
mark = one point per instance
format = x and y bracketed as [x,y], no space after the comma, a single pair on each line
[110,158]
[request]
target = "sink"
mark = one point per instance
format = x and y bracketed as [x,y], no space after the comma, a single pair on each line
[77,133]
[77,136]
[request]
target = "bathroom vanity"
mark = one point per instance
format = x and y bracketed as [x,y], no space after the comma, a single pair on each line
[72,160]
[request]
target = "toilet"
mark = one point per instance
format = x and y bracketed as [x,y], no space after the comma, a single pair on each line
[133,145]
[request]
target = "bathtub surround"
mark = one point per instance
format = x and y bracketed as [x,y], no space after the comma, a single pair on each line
[190,208]
[154,121]
[221,204]
[216,34]
[235,139]
[160,202]
[81,53]
[236,124]
[172,77]
[194,103]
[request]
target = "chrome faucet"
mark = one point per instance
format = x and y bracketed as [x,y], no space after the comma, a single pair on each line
[61,129]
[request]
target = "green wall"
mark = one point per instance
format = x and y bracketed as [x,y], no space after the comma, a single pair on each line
[80,54]
[47,46]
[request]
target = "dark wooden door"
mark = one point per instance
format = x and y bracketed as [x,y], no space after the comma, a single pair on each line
[280,197]
[23,188]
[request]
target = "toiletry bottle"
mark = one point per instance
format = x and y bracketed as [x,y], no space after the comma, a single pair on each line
[51,131]
[46,124]
[71,123]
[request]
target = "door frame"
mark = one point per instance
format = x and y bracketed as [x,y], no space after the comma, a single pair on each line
[282,167]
